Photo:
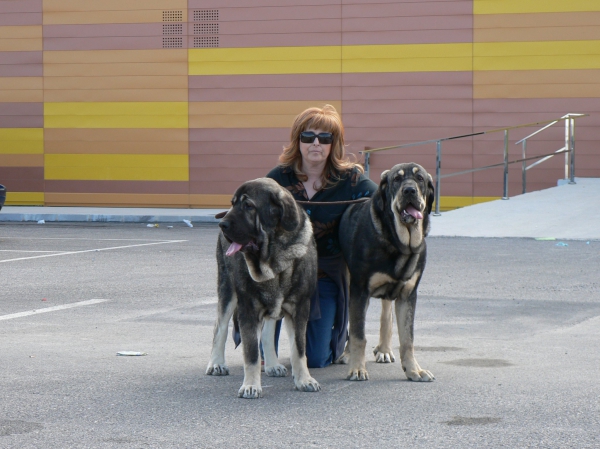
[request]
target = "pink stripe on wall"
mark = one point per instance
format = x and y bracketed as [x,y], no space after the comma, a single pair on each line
[320,88]
[20,121]
[18,19]
[20,6]
[21,57]
[21,63]
[22,179]
[266,81]
[201,4]
[20,12]
[32,109]
[406,37]
[21,70]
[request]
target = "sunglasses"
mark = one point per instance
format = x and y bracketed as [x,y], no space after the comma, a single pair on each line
[309,137]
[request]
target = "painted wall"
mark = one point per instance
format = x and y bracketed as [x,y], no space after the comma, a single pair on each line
[176,102]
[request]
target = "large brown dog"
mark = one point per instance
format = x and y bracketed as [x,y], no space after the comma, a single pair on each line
[267,261]
[383,241]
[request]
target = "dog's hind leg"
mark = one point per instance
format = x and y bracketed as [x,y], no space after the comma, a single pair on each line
[272,366]
[383,351]
[250,330]
[297,334]
[217,366]
[405,315]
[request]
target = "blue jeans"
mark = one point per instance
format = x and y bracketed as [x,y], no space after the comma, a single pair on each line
[319,353]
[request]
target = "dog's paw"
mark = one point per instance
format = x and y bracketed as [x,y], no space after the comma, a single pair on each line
[358,374]
[276,371]
[419,375]
[383,356]
[308,385]
[217,370]
[250,392]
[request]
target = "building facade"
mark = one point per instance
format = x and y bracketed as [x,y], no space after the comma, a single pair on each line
[174,103]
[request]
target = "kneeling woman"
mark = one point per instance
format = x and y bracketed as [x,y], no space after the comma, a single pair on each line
[314,167]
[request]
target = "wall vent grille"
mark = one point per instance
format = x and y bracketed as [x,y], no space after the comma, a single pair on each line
[173,16]
[206,42]
[206,28]
[174,28]
[206,15]
[172,42]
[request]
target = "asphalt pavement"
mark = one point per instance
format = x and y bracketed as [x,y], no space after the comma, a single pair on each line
[509,326]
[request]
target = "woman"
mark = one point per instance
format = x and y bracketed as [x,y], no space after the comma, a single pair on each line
[314,167]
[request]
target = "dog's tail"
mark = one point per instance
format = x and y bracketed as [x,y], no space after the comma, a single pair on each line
[235,333]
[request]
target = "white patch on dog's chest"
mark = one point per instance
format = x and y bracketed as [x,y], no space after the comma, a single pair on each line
[382,285]
[260,272]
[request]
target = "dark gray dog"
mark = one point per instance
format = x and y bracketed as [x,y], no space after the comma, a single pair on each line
[267,261]
[383,241]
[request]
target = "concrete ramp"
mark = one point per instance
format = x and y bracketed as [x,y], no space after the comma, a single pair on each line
[568,211]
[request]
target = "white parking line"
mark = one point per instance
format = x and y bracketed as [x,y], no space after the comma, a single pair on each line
[92,250]
[52,309]
[25,251]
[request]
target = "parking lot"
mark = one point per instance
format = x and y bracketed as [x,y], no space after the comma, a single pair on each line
[509,327]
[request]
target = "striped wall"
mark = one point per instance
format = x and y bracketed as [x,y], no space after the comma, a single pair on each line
[22,101]
[176,102]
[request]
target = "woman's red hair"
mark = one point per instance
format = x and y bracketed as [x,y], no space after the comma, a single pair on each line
[338,162]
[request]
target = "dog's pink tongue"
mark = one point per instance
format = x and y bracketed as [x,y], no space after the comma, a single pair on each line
[233,248]
[414,212]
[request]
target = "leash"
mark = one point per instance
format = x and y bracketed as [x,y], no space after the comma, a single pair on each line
[327,203]
[314,203]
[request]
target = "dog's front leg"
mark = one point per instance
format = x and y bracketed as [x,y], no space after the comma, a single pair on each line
[297,334]
[250,333]
[217,366]
[383,351]
[405,315]
[272,366]
[359,303]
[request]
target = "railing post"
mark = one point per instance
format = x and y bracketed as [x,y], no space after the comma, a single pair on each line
[572,139]
[438,169]
[505,197]
[524,169]
[367,155]
[567,147]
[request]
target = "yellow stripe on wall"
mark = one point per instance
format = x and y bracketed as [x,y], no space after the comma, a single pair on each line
[331,59]
[116,115]
[24,198]
[532,6]
[21,141]
[118,167]
[407,58]
[554,55]
[264,60]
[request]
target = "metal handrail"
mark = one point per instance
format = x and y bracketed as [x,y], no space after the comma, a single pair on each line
[568,149]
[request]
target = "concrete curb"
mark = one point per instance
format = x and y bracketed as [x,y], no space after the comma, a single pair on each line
[106,215]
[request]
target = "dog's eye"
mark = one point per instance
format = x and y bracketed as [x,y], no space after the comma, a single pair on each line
[248,206]
[398,178]
[420,178]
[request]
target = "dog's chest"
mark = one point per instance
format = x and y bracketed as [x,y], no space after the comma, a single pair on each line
[269,296]
[398,280]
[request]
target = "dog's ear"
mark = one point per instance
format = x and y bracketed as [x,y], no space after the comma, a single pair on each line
[286,210]
[430,193]
[380,195]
